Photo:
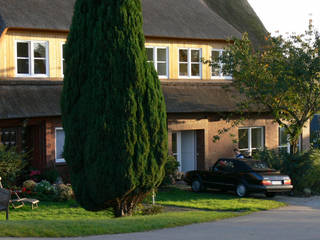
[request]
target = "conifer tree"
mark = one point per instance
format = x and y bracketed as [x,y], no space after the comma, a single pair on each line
[113,108]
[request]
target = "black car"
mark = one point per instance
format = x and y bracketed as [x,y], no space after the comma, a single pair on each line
[243,176]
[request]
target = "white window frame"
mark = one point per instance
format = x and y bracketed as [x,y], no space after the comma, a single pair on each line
[155,60]
[221,76]
[250,148]
[62,59]
[31,58]
[58,160]
[178,154]
[288,143]
[190,63]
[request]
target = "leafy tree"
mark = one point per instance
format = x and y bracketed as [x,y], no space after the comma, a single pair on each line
[113,109]
[283,78]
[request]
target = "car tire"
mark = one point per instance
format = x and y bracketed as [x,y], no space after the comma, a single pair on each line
[270,194]
[196,185]
[241,190]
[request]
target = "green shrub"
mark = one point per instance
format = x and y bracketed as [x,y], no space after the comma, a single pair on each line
[148,209]
[171,170]
[303,168]
[29,185]
[50,175]
[11,165]
[64,192]
[45,187]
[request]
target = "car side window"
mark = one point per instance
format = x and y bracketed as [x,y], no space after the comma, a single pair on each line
[225,165]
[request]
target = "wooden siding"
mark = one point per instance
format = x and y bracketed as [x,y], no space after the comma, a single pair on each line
[55,40]
[8,48]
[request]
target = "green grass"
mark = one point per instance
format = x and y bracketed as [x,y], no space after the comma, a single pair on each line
[69,220]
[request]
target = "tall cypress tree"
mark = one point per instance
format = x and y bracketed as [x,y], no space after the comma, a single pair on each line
[113,108]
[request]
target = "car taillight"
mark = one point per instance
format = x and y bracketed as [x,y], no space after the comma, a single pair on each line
[287,181]
[266,182]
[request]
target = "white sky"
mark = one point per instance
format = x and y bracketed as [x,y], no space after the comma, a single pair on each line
[287,16]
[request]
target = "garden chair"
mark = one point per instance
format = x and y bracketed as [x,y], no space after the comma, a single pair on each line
[5,196]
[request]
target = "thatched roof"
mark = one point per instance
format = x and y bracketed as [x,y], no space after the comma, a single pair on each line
[240,15]
[162,18]
[29,99]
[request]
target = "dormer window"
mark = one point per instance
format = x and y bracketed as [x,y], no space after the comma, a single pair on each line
[32,59]
[159,57]
[216,72]
[189,63]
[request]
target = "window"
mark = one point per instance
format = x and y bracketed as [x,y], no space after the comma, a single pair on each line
[59,145]
[216,72]
[159,57]
[63,63]
[8,137]
[190,63]
[251,139]
[176,148]
[284,141]
[32,58]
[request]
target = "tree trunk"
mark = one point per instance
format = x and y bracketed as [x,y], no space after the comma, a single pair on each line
[294,146]
[124,207]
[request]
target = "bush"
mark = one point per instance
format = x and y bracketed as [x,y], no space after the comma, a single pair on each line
[171,171]
[45,187]
[64,192]
[148,209]
[11,165]
[29,185]
[50,175]
[303,168]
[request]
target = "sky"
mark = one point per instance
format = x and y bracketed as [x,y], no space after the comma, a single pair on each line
[287,16]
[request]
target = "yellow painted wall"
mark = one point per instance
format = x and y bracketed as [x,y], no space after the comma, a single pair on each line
[8,61]
[7,50]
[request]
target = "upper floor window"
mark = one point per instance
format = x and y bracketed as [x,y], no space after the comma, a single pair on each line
[216,71]
[159,57]
[63,63]
[251,139]
[32,58]
[190,63]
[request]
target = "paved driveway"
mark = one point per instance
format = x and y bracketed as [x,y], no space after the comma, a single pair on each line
[299,221]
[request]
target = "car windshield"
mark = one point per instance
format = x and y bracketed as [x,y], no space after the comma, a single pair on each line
[257,164]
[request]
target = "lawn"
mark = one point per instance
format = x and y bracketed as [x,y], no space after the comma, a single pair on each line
[69,220]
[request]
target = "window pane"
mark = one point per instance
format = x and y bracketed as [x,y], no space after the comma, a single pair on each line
[183,69]
[59,144]
[243,138]
[215,71]
[215,55]
[39,50]
[183,55]
[162,54]
[283,140]
[39,66]
[149,54]
[63,51]
[22,50]
[174,143]
[195,56]
[23,66]
[256,135]
[195,69]
[162,69]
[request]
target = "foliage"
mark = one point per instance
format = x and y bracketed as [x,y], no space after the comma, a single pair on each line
[283,79]
[64,192]
[29,185]
[45,187]
[50,175]
[303,168]
[171,170]
[11,165]
[315,139]
[148,209]
[117,152]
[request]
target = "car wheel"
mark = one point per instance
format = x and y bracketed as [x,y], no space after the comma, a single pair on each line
[270,194]
[241,190]
[196,186]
